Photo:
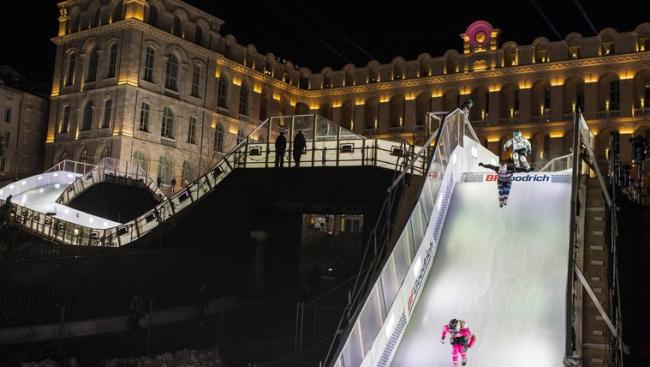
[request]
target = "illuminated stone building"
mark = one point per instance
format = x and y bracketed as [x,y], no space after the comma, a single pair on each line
[153,81]
[23,119]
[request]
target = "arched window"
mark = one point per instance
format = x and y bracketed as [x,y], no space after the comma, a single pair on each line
[63,156]
[327,81]
[118,13]
[112,60]
[218,138]
[347,112]
[105,153]
[72,64]
[264,106]
[191,130]
[171,75]
[240,136]
[153,15]
[83,157]
[196,80]
[140,160]
[222,94]
[87,121]
[167,126]
[510,56]
[243,99]
[149,63]
[422,106]
[349,78]
[371,113]
[177,29]
[397,111]
[165,169]
[187,174]
[65,120]
[198,36]
[97,17]
[144,117]
[325,110]
[373,75]
[92,65]
[108,106]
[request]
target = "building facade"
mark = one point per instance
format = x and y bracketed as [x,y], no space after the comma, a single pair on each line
[154,82]
[23,120]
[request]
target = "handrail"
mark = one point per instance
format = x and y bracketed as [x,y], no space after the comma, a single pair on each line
[425,148]
[381,296]
[373,152]
[548,167]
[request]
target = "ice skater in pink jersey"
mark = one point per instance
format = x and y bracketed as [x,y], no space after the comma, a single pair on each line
[460,337]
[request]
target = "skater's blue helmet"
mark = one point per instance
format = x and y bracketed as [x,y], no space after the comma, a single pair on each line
[516,134]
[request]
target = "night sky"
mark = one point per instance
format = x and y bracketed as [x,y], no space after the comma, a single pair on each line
[333,33]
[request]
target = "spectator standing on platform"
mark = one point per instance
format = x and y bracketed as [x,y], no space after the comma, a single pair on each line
[135,312]
[158,181]
[280,148]
[173,183]
[299,145]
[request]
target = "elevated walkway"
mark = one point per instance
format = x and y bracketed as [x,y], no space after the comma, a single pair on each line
[38,203]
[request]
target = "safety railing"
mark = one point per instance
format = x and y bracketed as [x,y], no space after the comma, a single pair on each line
[72,166]
[109,168]
[326,145]
[382,303]
[562,163]
[583,144]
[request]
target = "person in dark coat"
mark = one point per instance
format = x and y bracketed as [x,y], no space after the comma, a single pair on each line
[280,148]
[299,145]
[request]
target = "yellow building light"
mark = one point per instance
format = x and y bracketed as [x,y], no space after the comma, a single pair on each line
[526,135]
[410,96]
[465,91]
[276,96]
[257,88]
[495,88]
[233,130]
[626,75]
[626,130]
[314,106]
[436,93]
[336,104]
[50,137]
[591,78]
[236,81]
[556,82]
[556,134]
[359,102]
[524,84]
[384,99]
[55,91]
[217,73]
[292,103]
[493,139]
[607,105]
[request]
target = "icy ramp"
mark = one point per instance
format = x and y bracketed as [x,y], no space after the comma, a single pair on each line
[502,270]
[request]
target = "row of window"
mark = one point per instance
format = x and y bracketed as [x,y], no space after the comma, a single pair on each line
[87,117]
[93,61]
